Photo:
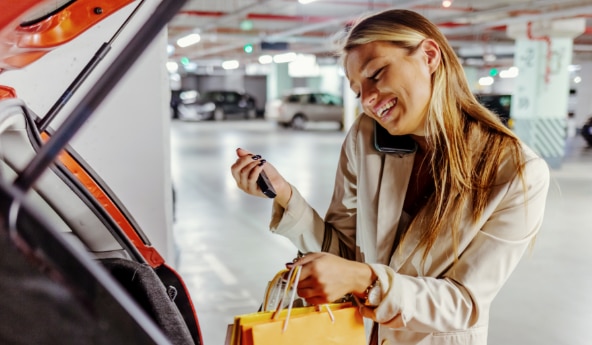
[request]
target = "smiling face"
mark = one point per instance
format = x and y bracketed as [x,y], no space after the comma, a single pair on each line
[394,84]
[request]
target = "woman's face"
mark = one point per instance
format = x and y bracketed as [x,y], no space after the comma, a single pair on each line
[394,86]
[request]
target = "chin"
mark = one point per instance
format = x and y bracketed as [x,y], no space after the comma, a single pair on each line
[394,128]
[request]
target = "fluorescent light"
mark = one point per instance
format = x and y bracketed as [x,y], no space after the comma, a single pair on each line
[230,64]
[170,49]
[265,59]
[511,72]
[172,66]
[286,57]
[446,3]
[485,81]
[188,40]
[304,2]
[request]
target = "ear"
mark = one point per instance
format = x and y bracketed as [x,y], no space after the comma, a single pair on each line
[432,54]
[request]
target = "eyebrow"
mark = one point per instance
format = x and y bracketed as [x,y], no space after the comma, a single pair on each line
[364,64]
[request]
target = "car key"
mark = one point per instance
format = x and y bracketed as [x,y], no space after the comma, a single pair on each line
[265,185]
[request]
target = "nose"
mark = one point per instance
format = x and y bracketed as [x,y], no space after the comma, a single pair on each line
[368,97]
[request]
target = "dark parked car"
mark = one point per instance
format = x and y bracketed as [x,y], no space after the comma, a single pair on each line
[499,104]
[586,131]
[216,105]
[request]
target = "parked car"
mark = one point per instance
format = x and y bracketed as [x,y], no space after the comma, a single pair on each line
[586,131]
[499,104]
[216,105]
[298,107]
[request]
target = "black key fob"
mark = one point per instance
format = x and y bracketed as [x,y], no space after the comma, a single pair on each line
[265,185]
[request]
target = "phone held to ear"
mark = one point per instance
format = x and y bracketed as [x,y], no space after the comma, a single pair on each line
[265,185]
[385,142]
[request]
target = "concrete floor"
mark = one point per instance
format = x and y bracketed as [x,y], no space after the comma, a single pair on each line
[226,255]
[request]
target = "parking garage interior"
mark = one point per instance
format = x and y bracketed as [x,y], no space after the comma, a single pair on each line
[218,238]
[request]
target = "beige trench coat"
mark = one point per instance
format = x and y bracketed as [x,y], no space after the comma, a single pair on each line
[442,302]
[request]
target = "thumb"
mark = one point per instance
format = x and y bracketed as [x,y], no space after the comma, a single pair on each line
[242,152]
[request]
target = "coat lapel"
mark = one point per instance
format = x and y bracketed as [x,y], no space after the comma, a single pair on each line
[393,187]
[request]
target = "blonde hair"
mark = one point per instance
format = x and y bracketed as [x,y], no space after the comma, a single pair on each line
[457,126]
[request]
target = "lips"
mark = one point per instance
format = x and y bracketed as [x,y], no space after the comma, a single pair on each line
[383,110]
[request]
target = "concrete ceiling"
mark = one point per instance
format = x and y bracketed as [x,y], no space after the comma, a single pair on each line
[476,28]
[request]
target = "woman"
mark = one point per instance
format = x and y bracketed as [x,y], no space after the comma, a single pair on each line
[426,238]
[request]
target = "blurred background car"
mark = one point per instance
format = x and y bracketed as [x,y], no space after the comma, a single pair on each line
[298,107]
[215,105]
[499,104]
[586,131]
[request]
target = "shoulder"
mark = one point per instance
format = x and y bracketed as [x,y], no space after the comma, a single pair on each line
[360,134]
[535,167]
[362,126]
[529,167]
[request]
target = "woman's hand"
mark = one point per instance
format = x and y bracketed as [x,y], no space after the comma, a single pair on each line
[325,277]
[246,170]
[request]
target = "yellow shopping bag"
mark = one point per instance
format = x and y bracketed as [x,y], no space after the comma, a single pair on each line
[311,328]
[336,323]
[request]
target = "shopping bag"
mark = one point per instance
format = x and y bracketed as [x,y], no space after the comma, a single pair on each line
[336,323]
[344,326]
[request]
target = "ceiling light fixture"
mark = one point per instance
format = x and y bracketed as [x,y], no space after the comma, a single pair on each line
[304,2]
[486,81]
[230,64]
[188,40]
[511,72]
[172,67]
[285,57]
[265,59]
[446,3]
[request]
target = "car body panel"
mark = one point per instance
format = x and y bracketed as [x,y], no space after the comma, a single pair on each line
[215,105]
[308,106]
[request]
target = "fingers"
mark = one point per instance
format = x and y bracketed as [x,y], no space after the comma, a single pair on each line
[246,170]
[315,286]
[242,152]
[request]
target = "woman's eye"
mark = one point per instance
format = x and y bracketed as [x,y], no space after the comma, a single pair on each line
[376,74]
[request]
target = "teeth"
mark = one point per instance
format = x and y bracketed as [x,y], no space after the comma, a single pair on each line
[385,108]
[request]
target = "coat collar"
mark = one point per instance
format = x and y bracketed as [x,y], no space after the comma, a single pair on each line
[393,187]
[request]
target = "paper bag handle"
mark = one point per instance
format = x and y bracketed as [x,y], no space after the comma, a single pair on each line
[292,282]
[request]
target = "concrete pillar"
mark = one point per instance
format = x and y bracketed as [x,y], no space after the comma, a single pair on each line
[543,53]
[351,106]
[278,80]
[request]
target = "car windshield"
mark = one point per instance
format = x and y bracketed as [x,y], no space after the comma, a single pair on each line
[326,98]
[222,97]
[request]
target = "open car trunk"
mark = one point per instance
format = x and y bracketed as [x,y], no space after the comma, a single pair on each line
[76,268]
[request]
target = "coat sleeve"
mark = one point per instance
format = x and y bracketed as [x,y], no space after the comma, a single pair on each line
[336,233]
[455,300]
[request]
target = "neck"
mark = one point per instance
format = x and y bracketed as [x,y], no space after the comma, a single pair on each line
[422,143]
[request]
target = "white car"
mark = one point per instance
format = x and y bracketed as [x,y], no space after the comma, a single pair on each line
[296,108]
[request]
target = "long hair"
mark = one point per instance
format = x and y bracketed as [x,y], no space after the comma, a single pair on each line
[468,142]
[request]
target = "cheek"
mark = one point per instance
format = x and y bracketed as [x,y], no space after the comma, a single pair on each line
[422,91]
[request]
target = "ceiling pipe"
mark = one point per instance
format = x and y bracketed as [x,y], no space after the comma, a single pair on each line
[561,14]
[228,16]
[300,30]
[464,30]
[504,10]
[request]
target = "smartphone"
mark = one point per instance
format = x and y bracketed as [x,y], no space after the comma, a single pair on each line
[385,142]
[265,185]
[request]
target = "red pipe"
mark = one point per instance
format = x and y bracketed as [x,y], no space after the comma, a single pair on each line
[547,40]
